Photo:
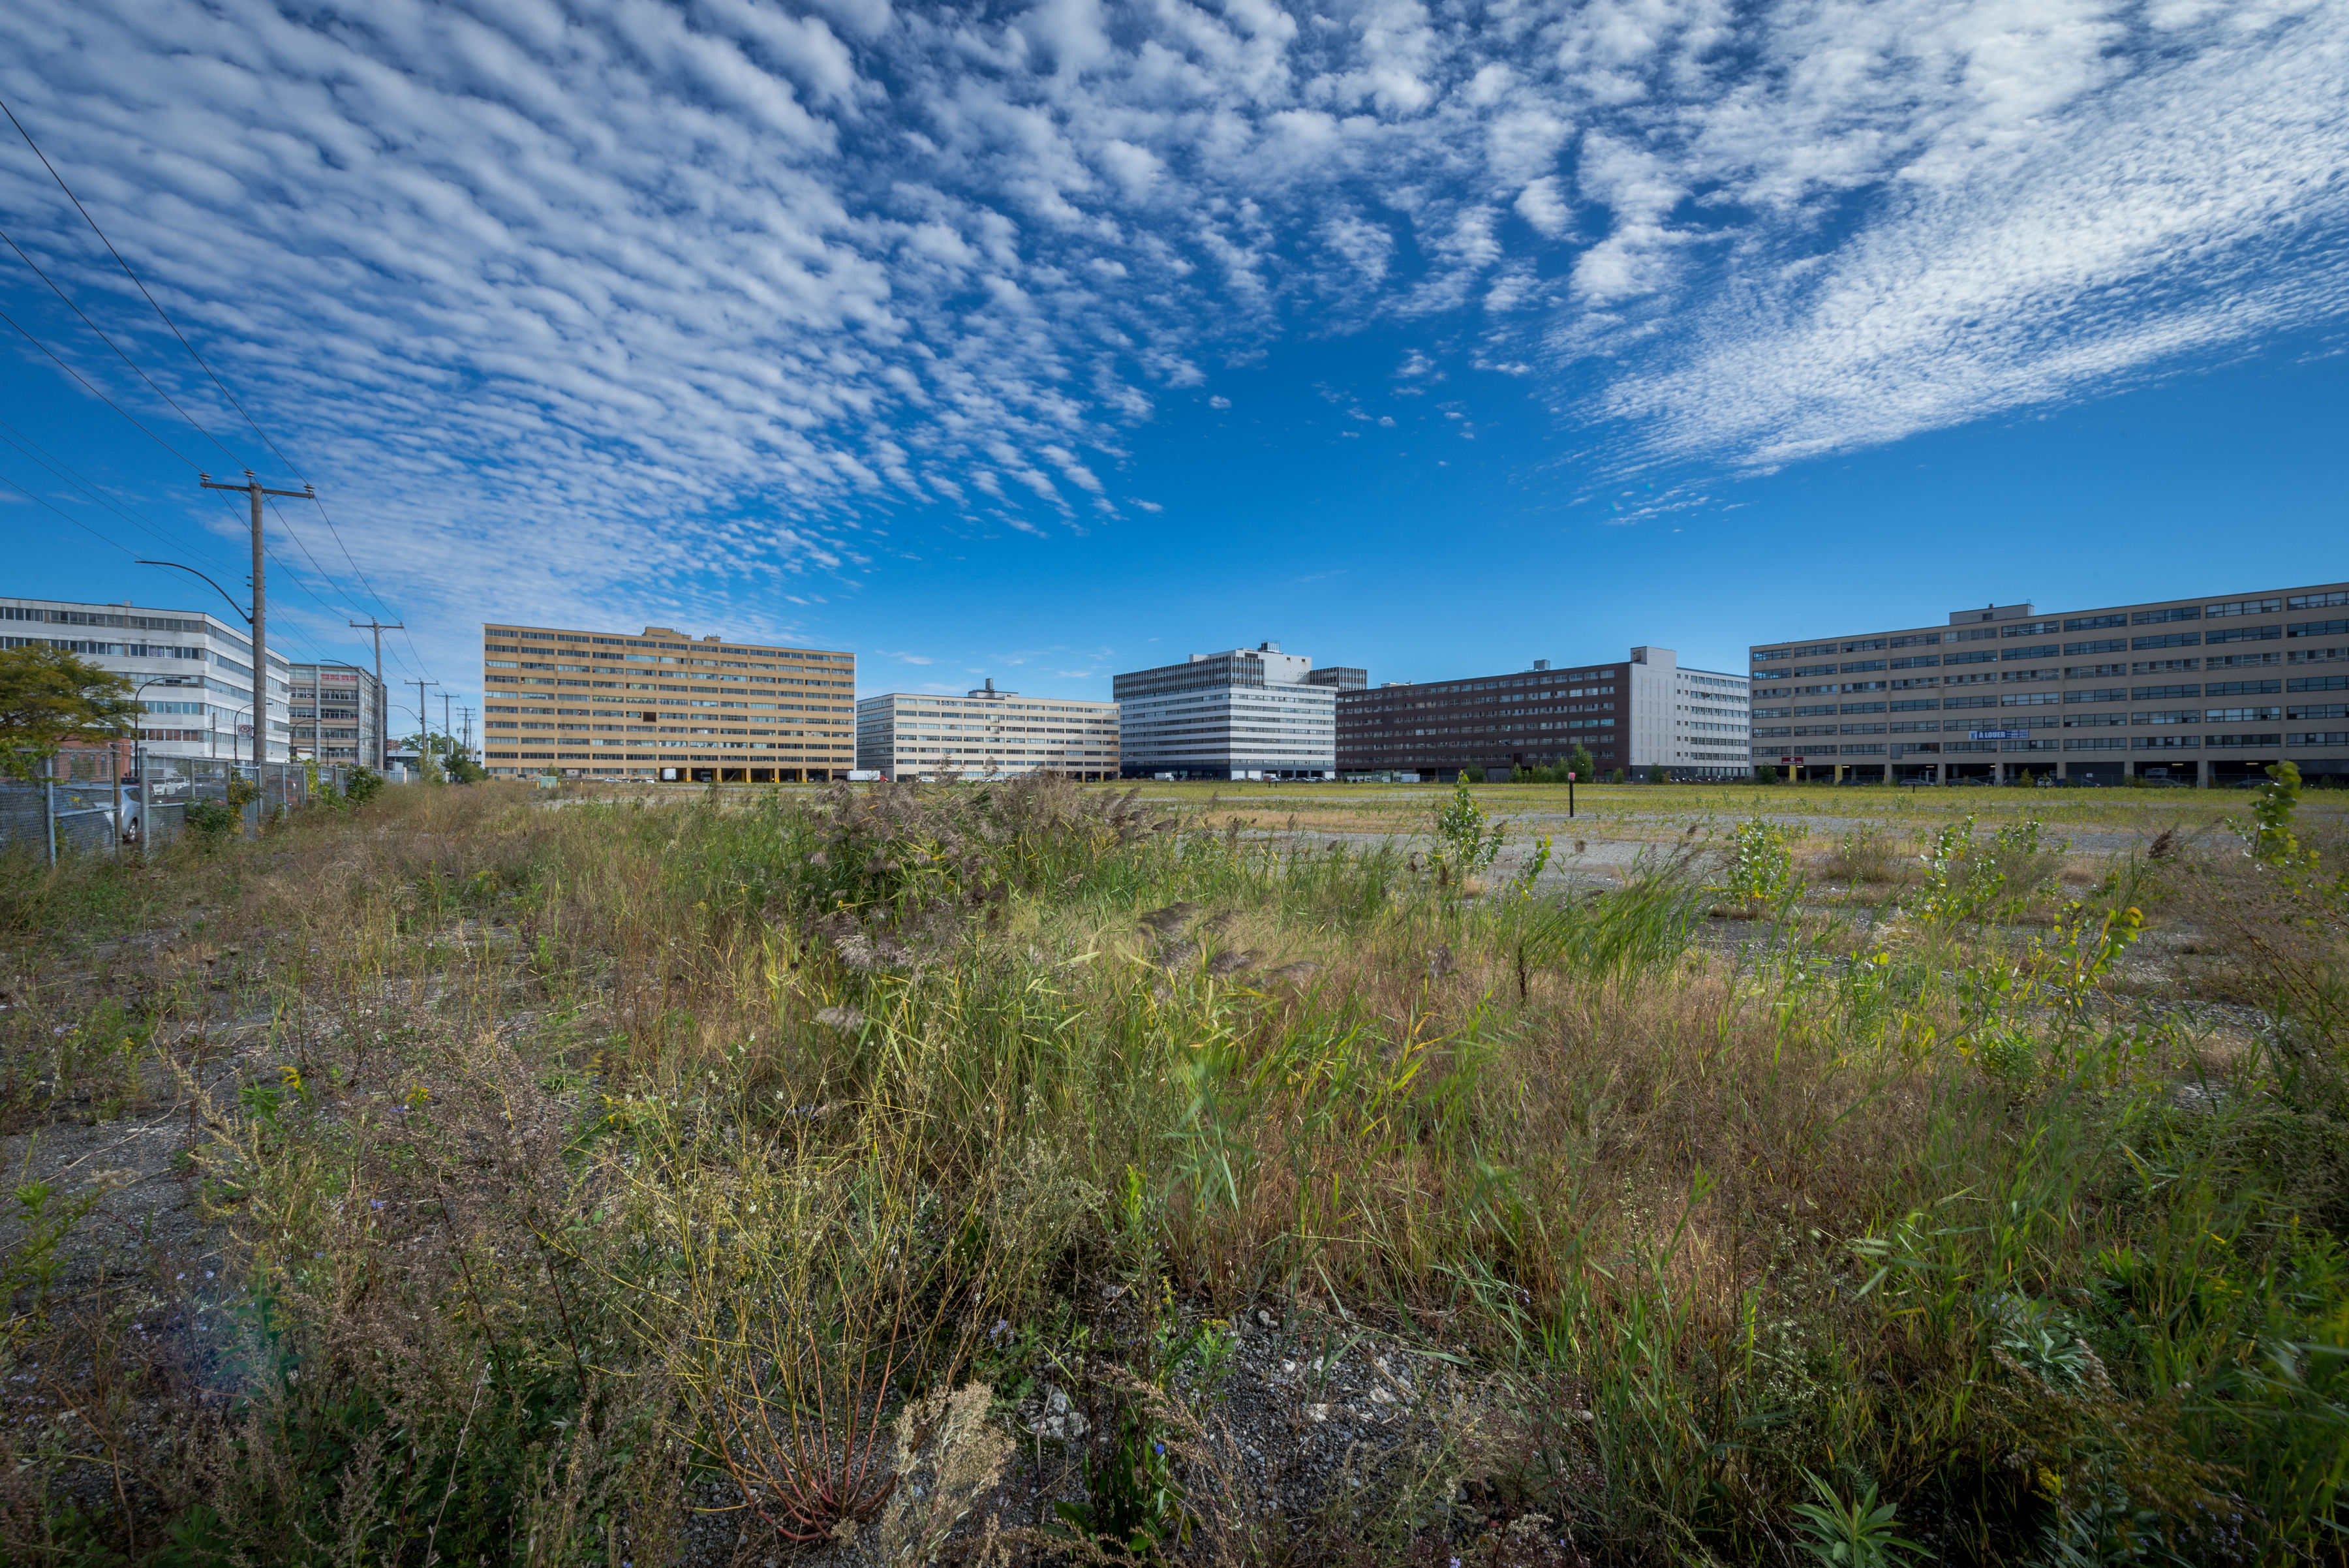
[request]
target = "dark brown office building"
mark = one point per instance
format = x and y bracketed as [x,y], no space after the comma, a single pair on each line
[1528,718]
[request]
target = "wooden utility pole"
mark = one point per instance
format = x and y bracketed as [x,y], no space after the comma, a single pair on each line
[256,490]
[423,725]
[382,708]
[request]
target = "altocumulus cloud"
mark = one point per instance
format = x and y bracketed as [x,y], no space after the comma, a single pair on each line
[754,275]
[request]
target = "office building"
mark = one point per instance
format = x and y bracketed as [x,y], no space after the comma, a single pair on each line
[2201,690]
[1633,714]
[192,672]
[986,733]
[336,715]
[659,705]
[1248,713]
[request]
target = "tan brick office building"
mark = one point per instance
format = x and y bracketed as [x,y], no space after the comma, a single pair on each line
[2202,691]
[661,705]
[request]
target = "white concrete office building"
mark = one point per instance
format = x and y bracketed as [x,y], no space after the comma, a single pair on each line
[192,671]
[2205,691]
[987,733]
[1248,713]
[1695,723]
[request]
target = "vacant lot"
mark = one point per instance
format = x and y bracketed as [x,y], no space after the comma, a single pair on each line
[1261,1175]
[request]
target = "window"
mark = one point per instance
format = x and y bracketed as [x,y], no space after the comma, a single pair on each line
[2093,671]
[2311,738]
[2153,617]
[2240,660]
[2316,601]
[1863,685]
[1984,656]
[2167,639]
[1919,684]
[2092,720]
[1919,662]
[2164,665]
[1814,709]
[2108,644]
[1974,636]
[1926,640]
[2319,710]
[2030,628]
[1815,669]
[2243,607]
[2046,651]
[1917,705]
[1859,665]
[1869,646]
[1770,653]
[2241,741]
[2243,634]
[2100,694]
[2242,715]
[2317,683]
[2164,744]
[2099,743]
[1915,726]
[2168,716]
[2028,699]
[1863,729]
[2095,622]
[2156,694]
[1863,707]
[2317,628]
[2241,688]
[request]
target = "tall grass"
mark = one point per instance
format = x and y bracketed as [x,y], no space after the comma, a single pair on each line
[575,1165]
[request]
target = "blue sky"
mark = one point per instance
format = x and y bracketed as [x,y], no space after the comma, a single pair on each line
[1040,342]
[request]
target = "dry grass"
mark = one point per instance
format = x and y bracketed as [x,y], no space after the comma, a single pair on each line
[564,1164]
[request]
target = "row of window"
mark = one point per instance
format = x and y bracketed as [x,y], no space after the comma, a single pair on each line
[2075,623]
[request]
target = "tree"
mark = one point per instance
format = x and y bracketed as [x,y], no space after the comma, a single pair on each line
[1658,774]
[1584,767]
[50,698]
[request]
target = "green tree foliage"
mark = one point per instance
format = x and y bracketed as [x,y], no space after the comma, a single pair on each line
[1585,768]
[50,698]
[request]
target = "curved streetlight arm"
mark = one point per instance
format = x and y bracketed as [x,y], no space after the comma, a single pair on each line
[245,614]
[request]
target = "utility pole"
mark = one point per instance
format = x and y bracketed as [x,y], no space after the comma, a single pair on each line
[423,724]
[444,720]
[253,487]
[469,729]
[383,708]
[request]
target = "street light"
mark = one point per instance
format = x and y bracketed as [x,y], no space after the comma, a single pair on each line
[139,754]
[259,654]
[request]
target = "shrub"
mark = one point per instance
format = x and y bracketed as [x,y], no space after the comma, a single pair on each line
[213,821]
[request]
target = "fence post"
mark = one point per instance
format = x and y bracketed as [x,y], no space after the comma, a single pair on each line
[49,809]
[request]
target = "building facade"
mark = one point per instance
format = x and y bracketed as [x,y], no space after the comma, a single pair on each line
[1634,714]
[191,670]
[2202,691]
[336,715]
[1246,713]
[987,733]
[659,705]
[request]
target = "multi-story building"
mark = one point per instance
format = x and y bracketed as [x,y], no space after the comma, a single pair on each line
[2203,690]
[192,671]
[658,705]
[336,715]
[1640,712]
[1248,713]
[986,733]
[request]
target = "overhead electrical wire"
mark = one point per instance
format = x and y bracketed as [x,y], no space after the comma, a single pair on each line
[66,515]
[140,285]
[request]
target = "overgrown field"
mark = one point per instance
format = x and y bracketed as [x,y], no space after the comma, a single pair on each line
[1033,1174]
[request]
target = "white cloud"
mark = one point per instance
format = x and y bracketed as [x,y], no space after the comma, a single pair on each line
[716,280]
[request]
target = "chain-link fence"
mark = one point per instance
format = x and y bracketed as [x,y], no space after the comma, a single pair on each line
[84,808]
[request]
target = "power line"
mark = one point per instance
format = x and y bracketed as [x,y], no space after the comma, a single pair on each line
[93,391]
[110,343]
[64,513]
[140,285]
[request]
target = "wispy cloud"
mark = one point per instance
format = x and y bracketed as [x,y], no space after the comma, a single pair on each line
[714,282]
